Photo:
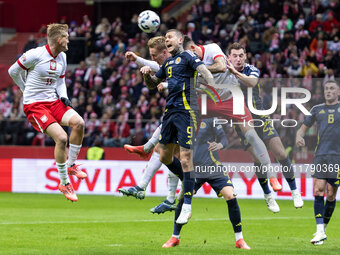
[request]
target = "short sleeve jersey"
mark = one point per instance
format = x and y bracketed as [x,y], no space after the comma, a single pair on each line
[210,52]
[43,70]
[327,118]
[180,72]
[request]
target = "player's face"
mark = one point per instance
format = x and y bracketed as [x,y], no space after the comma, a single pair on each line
[172,42]
[63,41]
[331,92]
[158,56]
[237,58]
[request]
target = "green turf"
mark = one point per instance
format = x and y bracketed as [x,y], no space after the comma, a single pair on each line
[48,224]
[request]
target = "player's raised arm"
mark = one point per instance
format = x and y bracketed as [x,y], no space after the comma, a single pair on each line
[206,74]
[129,55]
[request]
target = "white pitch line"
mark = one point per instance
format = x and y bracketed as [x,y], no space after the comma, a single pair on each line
[147,220]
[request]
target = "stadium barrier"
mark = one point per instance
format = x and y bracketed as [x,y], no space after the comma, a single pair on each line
[107,176]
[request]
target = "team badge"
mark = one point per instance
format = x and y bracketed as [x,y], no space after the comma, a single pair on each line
[178,60]
[44,118]
[53,65]
[203,125]
[339,109]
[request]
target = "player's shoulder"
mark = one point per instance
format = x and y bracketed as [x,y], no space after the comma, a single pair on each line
[63,55]
[212,46]
[251,70]
[32,55]
[318,108]
[188,54]
[35,51]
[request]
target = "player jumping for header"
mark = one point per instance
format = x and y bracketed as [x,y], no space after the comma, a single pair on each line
[40,74]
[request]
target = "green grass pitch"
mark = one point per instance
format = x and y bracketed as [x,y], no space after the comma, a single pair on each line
[49,224]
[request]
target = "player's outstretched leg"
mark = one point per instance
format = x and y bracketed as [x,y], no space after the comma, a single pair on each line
[175,238]
[170,203]
[268,197]
[151,168]
[144,150]
[261,153]
[135,191]
[271,203]
[137,149]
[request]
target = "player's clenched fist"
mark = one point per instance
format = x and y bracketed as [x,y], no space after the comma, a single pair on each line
[129,55]
[300,141]
[145,70]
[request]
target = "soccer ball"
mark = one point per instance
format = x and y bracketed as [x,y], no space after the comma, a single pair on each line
[148,21]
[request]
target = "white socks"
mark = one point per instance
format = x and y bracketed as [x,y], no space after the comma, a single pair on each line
[151,168]
[172,187]
[320,228]
[153,140]
[62,170]
[238,236]
[73,154]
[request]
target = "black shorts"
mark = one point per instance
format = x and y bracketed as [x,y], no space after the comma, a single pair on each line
[265,132]
[216,183]
[179,127]
[326,167]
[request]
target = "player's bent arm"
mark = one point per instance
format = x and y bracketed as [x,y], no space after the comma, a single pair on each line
[61,88]
[219,65]
[144,62]
[206,74]
[151,81]
[18,75]
[249,81]
[300,141]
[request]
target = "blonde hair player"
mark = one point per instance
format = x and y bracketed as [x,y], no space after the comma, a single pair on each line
[40,74]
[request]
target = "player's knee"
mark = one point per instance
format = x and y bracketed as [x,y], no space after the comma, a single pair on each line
[166,160]
[331,197]
[79,124]
[61,139]
[319,191]
[185,164]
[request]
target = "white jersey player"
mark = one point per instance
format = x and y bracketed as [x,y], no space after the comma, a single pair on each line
[40,74]
[215,59]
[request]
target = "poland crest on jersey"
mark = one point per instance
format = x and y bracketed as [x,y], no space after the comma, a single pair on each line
[53,65]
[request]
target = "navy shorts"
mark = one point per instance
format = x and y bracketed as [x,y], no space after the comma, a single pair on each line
[265,132]
[326,167]
[179,127]
[217,183]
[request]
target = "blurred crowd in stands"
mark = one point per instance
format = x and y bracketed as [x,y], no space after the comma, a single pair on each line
[293,43]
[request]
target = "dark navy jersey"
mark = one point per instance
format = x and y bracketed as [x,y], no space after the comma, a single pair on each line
[207,132]
[257,102]
[179,70]
[327,118]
